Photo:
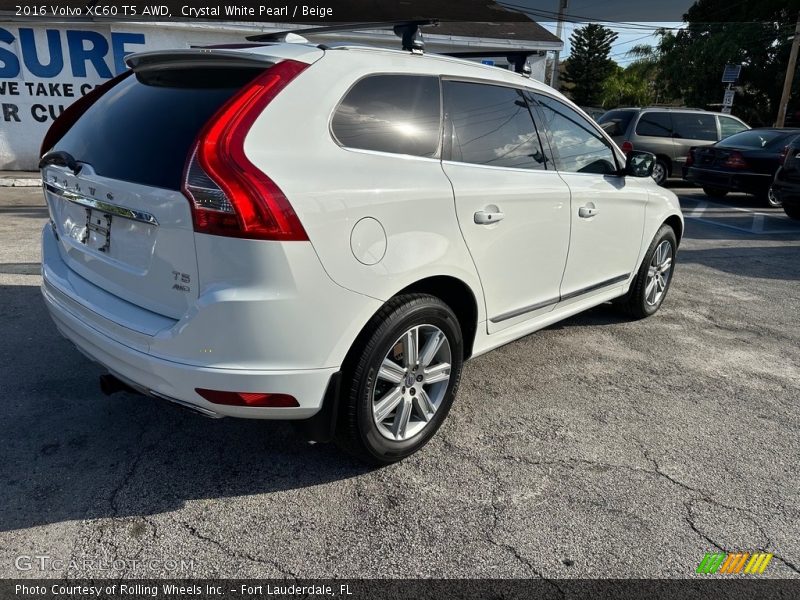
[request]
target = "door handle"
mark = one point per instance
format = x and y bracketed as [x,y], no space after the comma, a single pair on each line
[487,217]
[588,211]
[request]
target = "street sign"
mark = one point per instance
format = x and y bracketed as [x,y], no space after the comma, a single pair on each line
[731,73]
[727,99]
[487,61]
[726,110]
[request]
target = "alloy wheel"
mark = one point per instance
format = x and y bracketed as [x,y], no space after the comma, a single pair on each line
[658,273]
[411,382]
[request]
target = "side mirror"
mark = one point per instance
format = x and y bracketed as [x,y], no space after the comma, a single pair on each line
[640,164]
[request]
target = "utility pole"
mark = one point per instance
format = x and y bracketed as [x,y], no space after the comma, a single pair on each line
[562,6]
[790,69]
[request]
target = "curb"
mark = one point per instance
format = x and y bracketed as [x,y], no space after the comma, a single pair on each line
[12,182]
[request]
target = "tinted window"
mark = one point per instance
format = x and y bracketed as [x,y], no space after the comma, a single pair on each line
[729,126]
[578,146]
[391,113]
[756,138]
[142,129]
[694,126]
[615,122]
[492,125]
[655,124]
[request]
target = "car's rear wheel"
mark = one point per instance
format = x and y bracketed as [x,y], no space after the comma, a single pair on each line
[715,192]
[793,212]
[652,281]
[400,379]
[772,198]
[660,172]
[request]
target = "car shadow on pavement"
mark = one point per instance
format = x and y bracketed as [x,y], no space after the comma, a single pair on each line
[763,262]
[70,453]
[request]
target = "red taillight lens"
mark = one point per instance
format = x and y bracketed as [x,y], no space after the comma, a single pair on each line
[690,157]
[74,111]
[249,398]
[626,147]
[229,195]
[735,160]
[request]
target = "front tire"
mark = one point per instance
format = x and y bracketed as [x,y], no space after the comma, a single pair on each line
[400,379]
[652,281]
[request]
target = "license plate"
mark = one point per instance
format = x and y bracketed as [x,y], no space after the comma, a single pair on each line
[97,234]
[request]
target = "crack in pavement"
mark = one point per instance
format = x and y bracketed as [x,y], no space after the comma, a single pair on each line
[241,555]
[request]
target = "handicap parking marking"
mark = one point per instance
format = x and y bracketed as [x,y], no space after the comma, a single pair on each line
[737,218]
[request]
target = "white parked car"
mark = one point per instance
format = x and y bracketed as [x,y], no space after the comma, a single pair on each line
[285,231]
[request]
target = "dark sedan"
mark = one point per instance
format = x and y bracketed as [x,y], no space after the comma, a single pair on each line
[743,162]
[787,181]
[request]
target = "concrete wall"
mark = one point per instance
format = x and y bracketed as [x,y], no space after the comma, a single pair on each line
[44,68]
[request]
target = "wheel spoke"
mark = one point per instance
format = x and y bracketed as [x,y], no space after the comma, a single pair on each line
[384,407]
[437,373]
[411,347]
[401,418]
[430,348]
[390,371]
[424,406]
[648,291]
[666,265]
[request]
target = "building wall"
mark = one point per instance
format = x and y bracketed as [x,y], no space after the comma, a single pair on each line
[44,68]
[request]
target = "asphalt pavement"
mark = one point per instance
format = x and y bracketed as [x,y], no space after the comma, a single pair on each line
[599,447]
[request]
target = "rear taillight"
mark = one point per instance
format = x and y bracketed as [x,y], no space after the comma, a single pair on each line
[74,111]
[229,195]
[261,399]
[626,147]
[735,160]
[690,157]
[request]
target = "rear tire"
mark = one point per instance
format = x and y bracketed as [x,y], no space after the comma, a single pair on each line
[660,172]
[772,198]
[793,212]
[388,410]
[652,281]
[714,192]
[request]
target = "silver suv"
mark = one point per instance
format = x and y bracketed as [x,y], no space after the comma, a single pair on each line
[668,133]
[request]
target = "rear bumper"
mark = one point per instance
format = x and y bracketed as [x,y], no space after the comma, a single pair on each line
[749,183]
[248,348]
[177,382]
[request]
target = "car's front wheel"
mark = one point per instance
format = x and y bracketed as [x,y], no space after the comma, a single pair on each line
[652,281]
[400,379]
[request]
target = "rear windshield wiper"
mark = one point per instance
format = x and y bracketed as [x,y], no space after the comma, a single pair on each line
[62,159]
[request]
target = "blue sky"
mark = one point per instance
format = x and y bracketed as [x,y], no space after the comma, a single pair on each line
[633,20]
[629,36]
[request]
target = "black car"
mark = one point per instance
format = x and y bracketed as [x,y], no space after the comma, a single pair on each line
[787,181]
[743,162]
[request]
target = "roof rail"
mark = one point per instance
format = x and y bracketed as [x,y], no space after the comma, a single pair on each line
[518,58]
[408,31]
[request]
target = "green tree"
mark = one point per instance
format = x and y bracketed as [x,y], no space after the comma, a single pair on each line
[589,63]
[631,86]
[755,35]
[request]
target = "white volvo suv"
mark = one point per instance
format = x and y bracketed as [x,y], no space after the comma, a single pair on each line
[286,231]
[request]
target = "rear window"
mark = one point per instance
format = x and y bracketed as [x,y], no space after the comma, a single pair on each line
[615,122]
[755,138]
[695,126]
[655,124]
[400,114]
[143,128]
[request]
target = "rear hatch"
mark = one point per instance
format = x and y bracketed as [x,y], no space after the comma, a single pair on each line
[121,219]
